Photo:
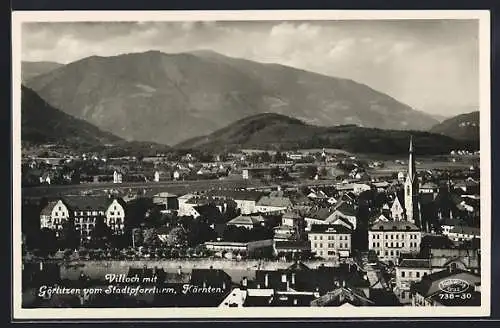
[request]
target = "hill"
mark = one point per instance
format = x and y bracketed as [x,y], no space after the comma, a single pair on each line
[30,70]
[42,123]
[274,131]
[463,127]
[168,98]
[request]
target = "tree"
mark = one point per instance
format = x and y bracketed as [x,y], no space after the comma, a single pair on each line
[177,237]
[236,234]
[47,241]
[101,235]
[69,237]
[151,237]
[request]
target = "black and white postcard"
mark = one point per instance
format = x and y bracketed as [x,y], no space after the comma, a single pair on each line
[251,164]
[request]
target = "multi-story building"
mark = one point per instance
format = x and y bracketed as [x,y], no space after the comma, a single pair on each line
[411,271]
[391,239]
[53,215]
[85,211]
[330,241]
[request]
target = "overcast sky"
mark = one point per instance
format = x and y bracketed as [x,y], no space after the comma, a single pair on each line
[429,65]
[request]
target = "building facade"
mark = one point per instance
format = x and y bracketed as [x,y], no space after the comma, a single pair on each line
[84,211]
[391,239]
[330,241]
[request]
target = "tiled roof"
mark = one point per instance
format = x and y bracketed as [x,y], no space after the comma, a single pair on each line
[274,201]
[466,230]
[320,213]
[291,244]
[327,228]
[394,226]
[346,209]
[47,210]
[88,202]
[247,219]
[415,263]
[237,194]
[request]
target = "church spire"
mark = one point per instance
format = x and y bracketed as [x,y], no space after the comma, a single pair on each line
[411,161]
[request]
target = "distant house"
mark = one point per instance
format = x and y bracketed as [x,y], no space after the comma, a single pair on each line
[330,241]
[463,233]
[117,177]
[268,204]
[397,210]
[169,202]
[247,221]
[448,224]
[429,188]
[246,201]
[344,213]
[360,187]
[209,212]
[176,175]
[291,247]
[53,215]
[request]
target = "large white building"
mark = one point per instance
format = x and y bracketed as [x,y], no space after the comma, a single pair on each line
[85,211]
[391,239]
[330,241]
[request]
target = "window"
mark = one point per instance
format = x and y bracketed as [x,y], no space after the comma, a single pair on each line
[408,190]
[59,208]
[392,236]
[373,244]
[386,253]
[418,274]
[392,244]
[315,237]
[320,237]
[321,245]
[315,245]
[410,274]
[331,253]
[392,253]
[283,278]
[378,244]
[402,274]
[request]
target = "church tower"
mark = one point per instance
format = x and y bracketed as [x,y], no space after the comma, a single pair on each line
[411,188]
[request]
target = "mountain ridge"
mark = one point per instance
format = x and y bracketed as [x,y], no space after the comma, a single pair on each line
[463,126]
[168,98]
[279,132]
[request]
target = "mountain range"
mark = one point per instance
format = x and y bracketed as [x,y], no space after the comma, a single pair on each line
[31,69]
[279,132]
[463,127]
[42,123]
[170,98]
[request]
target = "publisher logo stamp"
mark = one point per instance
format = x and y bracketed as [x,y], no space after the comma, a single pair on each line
[453,286]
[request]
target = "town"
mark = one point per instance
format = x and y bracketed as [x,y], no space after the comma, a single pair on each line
[319,227]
